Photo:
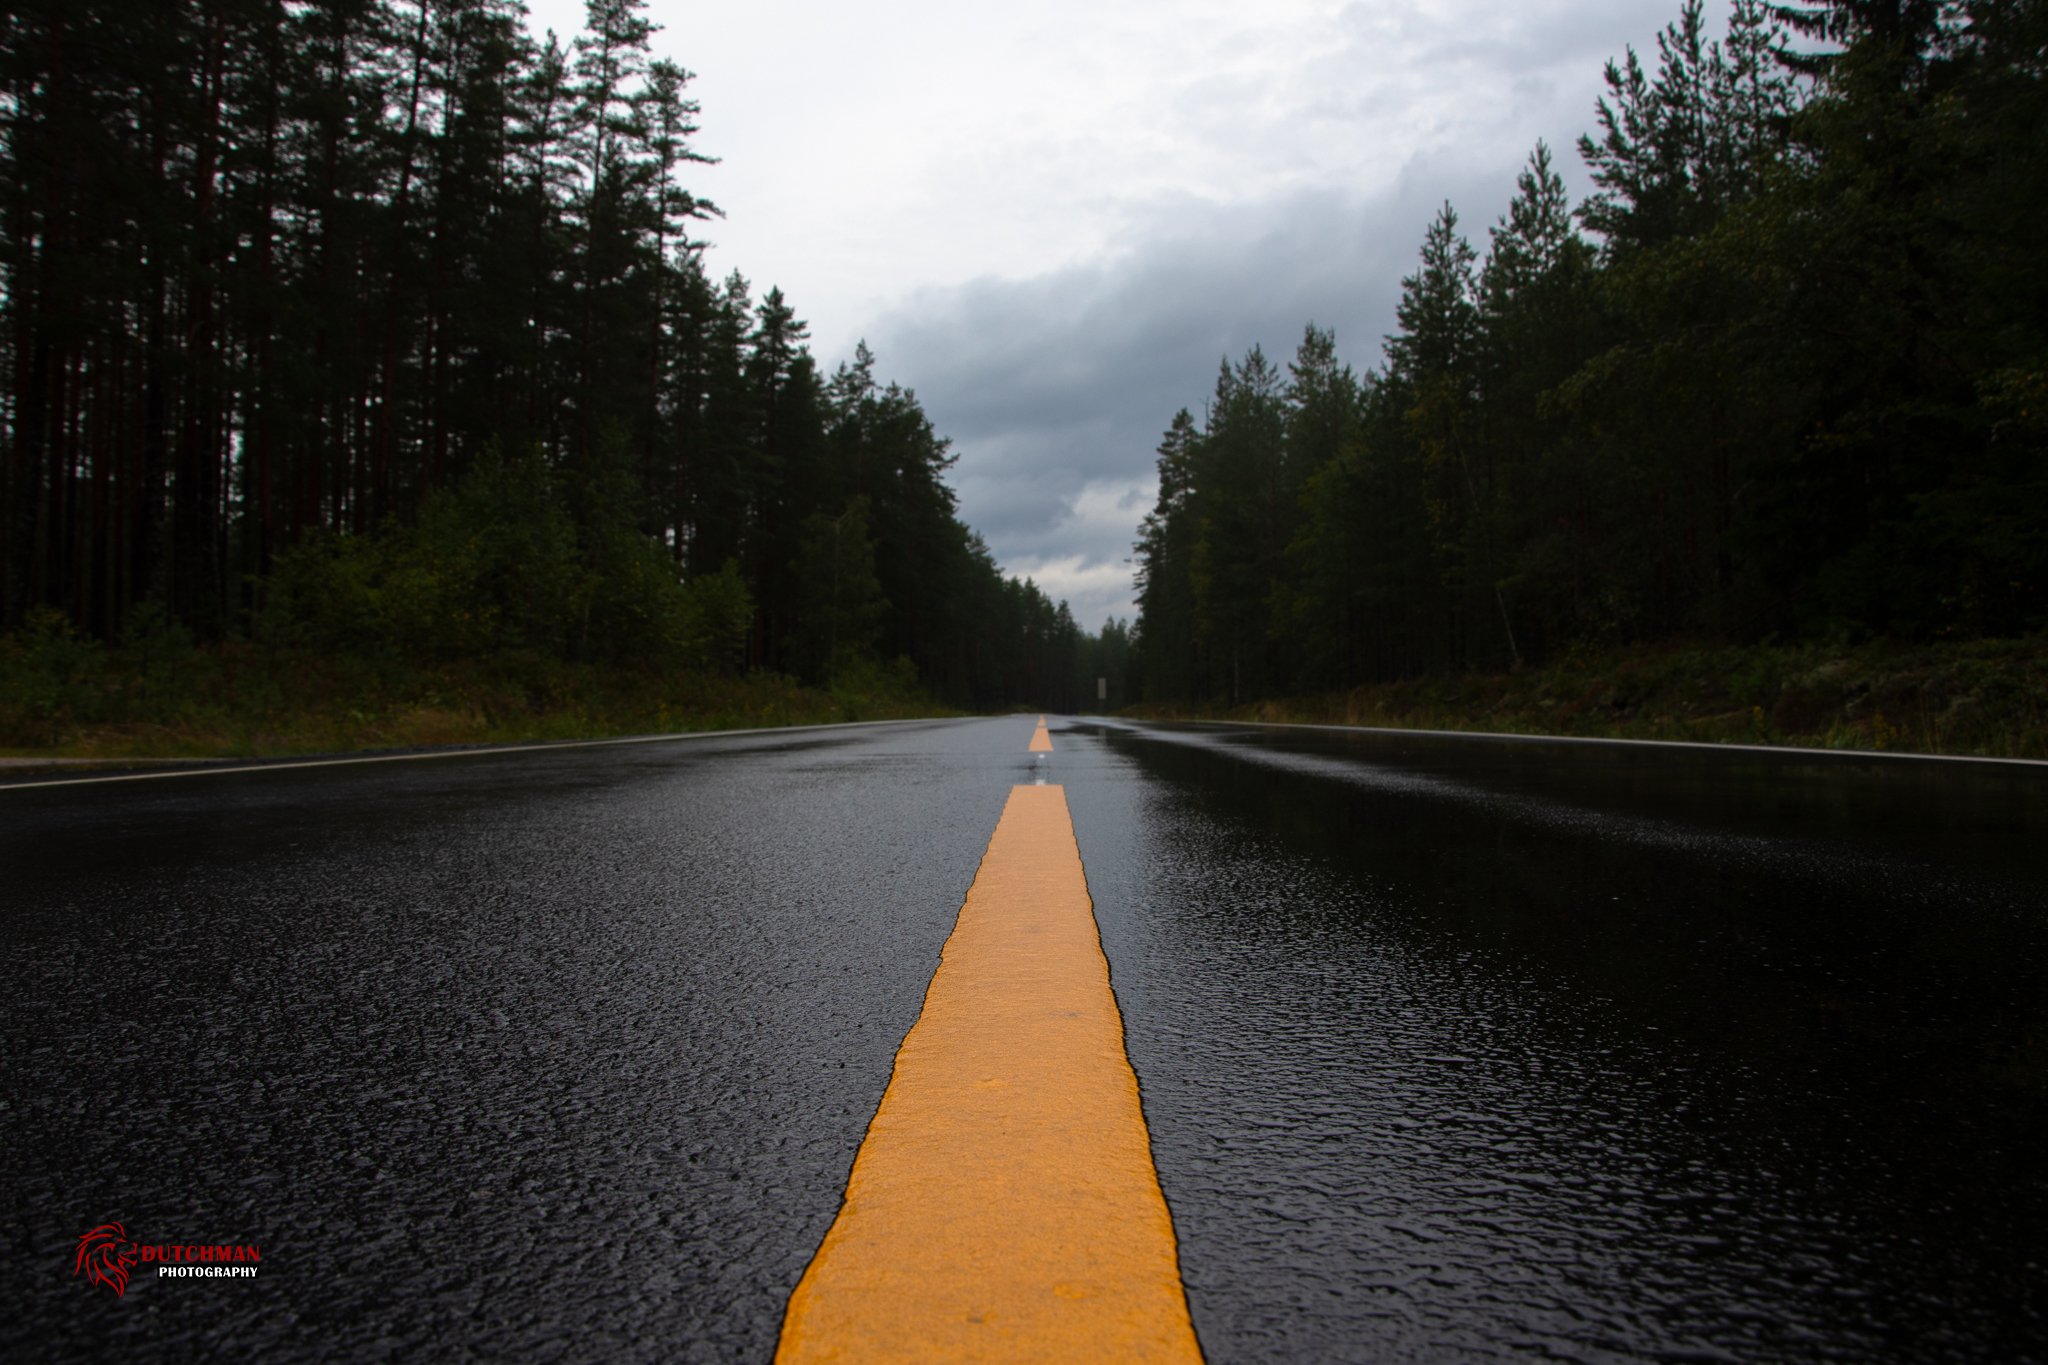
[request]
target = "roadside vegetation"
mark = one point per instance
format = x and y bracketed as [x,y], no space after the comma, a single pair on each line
[515,606]
[159,693]
[1988,698]
[1779,381]
[242,700]
[362,382]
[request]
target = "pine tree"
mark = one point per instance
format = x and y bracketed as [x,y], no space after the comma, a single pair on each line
[842,603]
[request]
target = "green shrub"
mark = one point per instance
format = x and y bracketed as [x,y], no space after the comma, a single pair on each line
[496,565]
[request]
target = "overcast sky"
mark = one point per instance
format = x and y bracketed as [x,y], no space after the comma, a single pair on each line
[1053,219]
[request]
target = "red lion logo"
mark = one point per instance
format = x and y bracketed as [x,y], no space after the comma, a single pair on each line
[105,1256]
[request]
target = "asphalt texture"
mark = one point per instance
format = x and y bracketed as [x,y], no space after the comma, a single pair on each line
[1450,1050]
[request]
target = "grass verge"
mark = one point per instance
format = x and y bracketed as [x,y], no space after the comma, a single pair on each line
[1986,698]
[62,698]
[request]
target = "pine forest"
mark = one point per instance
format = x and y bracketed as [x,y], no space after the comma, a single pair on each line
[381,331]
[384,328]
[1783,376]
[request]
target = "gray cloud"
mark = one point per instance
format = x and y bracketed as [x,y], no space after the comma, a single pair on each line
[1056,385]
[1056,389]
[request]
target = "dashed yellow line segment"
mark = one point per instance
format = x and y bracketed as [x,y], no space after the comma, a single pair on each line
[1041,739]
[1004,1205]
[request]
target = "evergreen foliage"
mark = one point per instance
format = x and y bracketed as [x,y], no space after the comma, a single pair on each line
[1781,376]
[843,606]
[379,325]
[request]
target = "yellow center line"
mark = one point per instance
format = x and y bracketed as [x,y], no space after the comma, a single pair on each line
[1004,1205]
[1041,739]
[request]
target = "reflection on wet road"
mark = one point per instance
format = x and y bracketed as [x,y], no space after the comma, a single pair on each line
[1449,1050]
[1455,1051]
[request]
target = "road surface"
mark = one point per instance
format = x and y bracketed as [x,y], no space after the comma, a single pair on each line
[1447,1050]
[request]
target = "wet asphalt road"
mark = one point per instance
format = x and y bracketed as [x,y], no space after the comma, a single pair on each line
[1451,1050]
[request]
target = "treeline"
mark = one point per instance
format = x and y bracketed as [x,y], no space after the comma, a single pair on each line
[1784,373]
[382,325]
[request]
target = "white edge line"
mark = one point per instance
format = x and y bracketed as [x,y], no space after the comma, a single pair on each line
[1500,737]
[468,753]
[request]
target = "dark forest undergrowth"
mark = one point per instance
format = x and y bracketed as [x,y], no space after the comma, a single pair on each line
[1987,698]
[64,698]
